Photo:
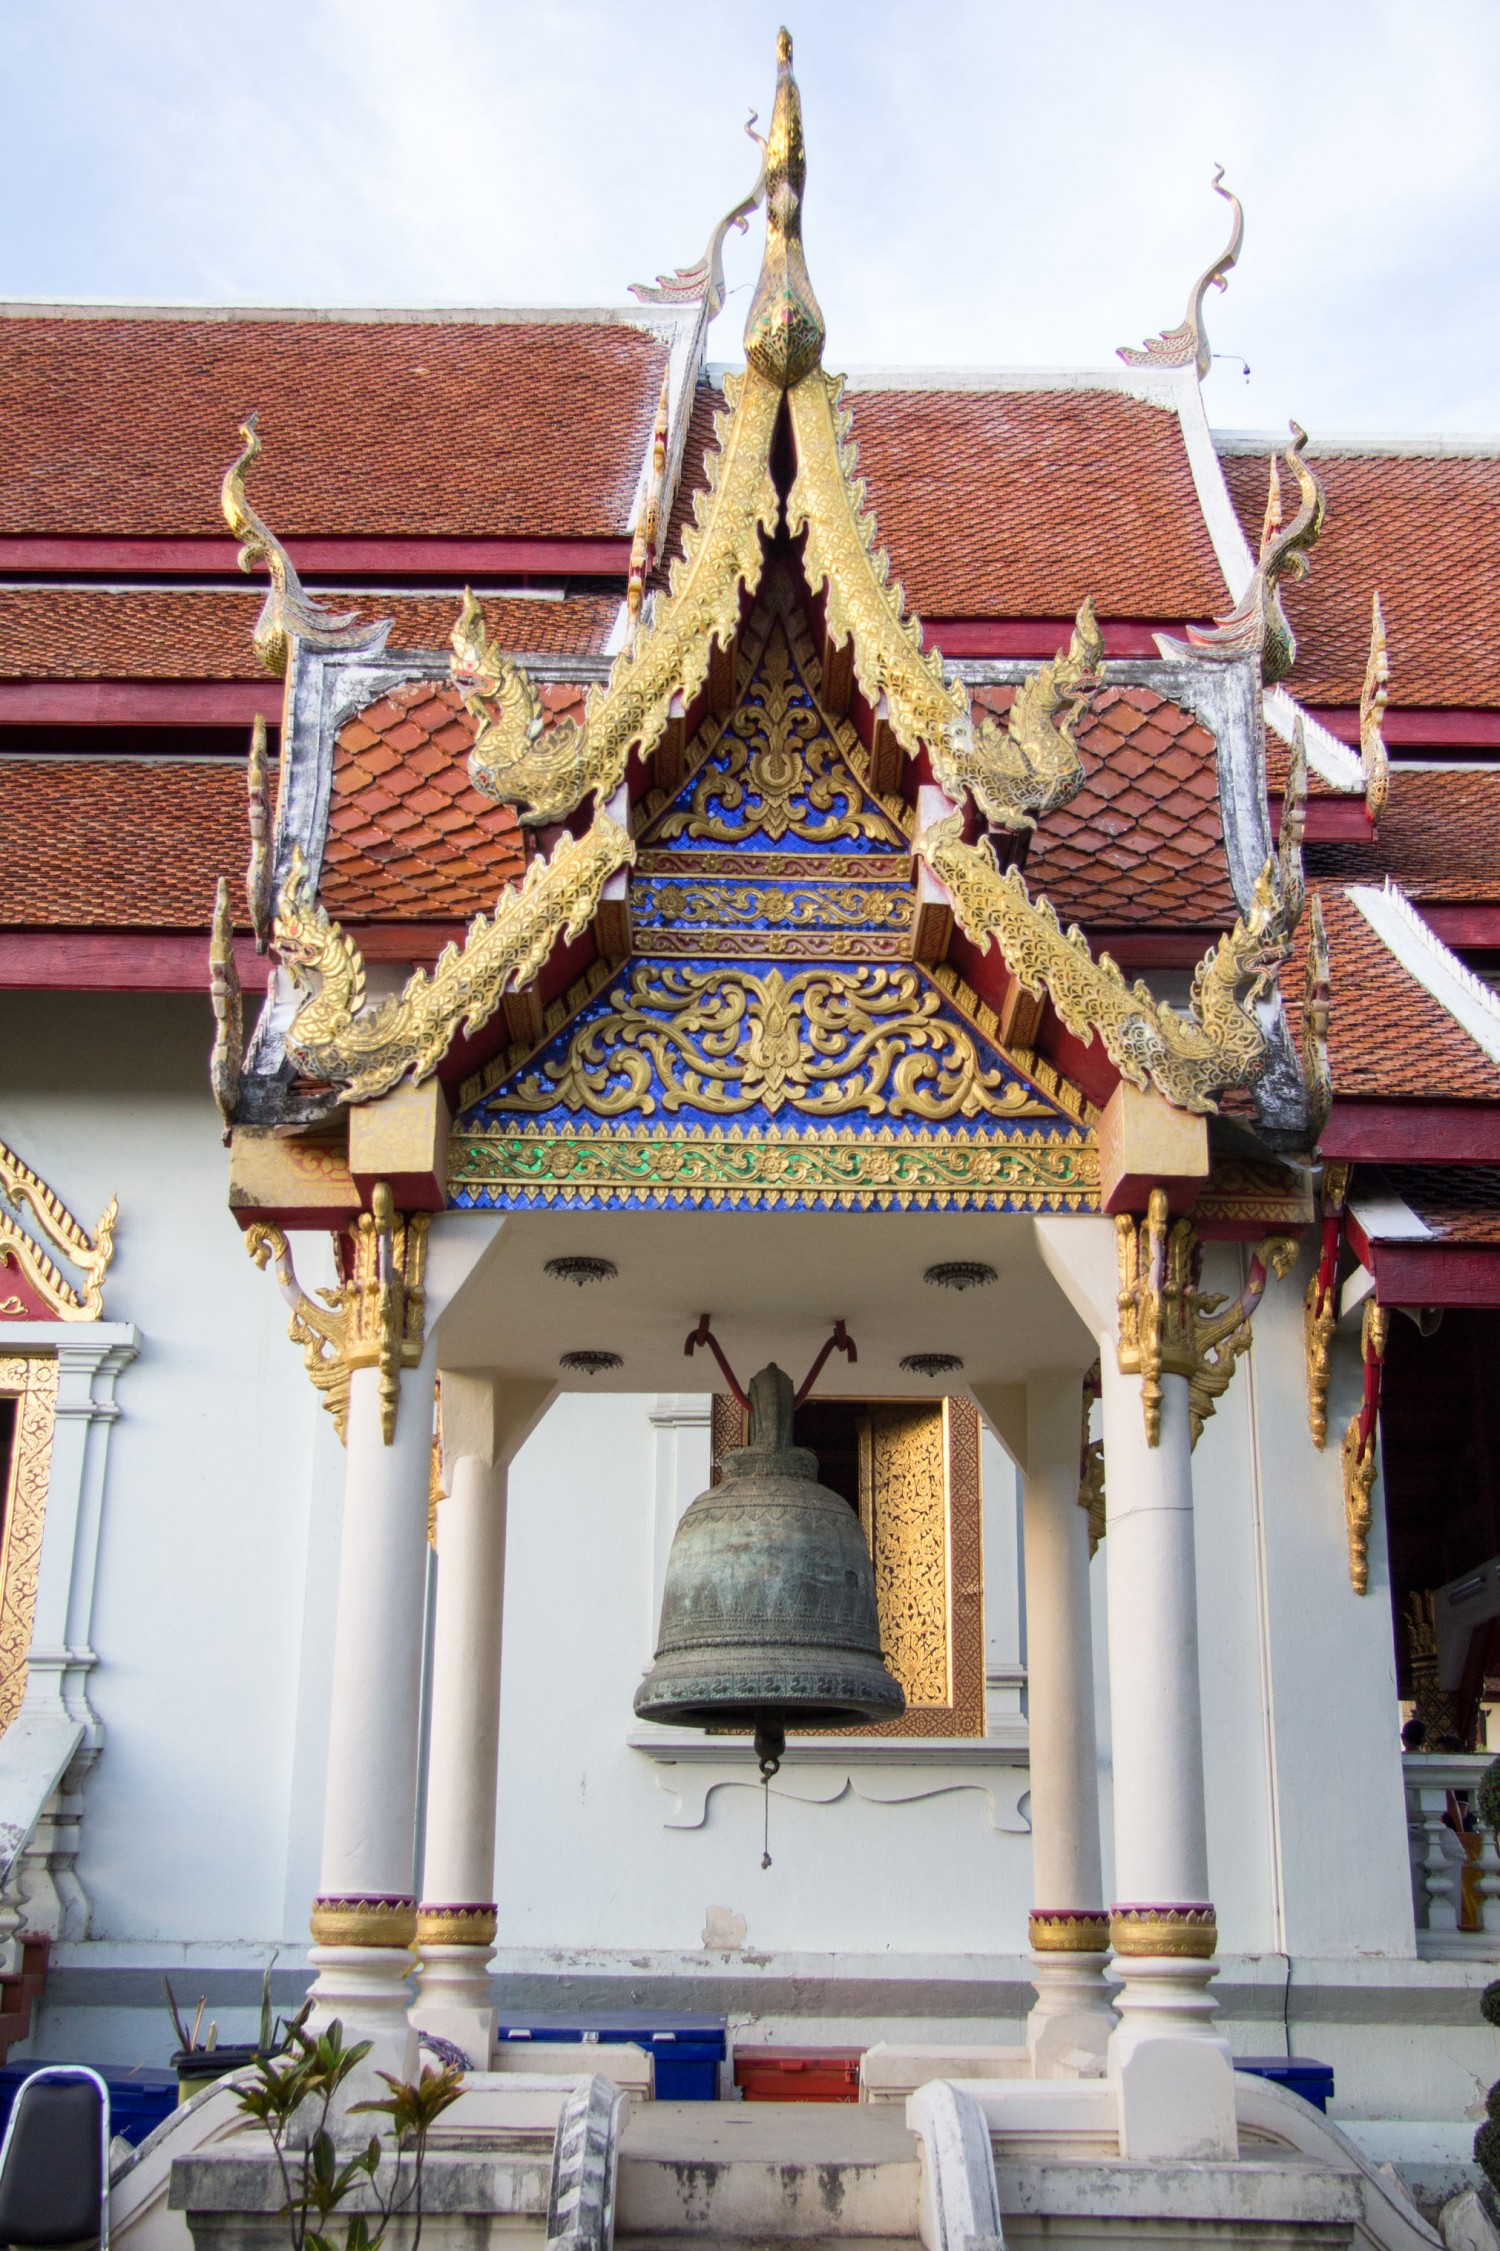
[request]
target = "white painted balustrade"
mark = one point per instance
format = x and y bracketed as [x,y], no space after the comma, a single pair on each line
[1439,1858]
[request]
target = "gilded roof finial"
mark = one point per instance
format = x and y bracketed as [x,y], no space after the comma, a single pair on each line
[1373,698]
[1186,345]
[784,333]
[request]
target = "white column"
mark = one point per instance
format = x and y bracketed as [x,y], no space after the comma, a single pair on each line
[1176,2087]
[364,1917]
[485,1422]
[1069,1927]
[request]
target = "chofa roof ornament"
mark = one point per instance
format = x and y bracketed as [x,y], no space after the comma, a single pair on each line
[704,283]
[1186,345]
[289,612]
[784,330]
[1258,625]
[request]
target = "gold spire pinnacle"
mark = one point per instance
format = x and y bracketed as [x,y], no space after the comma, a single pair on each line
[784,333]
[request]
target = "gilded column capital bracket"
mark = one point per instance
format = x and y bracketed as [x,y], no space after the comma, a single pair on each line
[25,1190]
[1168,1325]
[1357,1452]
[1320,1310]
[375,1319]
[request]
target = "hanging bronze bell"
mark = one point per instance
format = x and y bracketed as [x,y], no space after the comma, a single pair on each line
[768,1618]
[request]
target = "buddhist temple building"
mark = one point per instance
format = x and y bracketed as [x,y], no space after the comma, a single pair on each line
[546,875]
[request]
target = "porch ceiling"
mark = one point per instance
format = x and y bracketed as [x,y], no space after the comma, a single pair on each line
[775,1283]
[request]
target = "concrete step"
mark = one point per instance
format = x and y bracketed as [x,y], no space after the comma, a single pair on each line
[766,2173]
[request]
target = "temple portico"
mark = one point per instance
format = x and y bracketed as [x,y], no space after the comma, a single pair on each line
[1020,1343]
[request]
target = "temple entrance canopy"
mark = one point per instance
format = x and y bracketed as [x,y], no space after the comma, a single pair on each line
[773,948]
[770,1027]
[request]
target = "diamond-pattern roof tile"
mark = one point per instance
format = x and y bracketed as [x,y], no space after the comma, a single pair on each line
[1151,786]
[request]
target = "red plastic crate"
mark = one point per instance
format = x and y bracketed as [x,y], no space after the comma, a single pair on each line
[798,2074]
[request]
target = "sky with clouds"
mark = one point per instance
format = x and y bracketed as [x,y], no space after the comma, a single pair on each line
[1001,183]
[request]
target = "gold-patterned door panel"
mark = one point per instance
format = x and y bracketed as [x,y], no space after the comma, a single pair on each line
[921,1512]
[31,1380]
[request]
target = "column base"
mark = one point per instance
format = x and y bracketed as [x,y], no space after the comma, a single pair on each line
[366,1989]
[1172,2072]
[1072,2020]
[453,1979]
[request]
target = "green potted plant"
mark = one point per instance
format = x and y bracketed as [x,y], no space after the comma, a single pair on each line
[198,2061]
[315,2179]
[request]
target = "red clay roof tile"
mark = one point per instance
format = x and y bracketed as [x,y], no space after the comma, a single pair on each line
[119,843]
[457,429]
[1151,786]
[1016,504]
[1424,531]
[150,633]
[1439,837]
[1460,1203]
[1387,1036]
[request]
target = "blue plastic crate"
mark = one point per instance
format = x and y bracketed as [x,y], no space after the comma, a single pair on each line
[138,2100]
[686,2055]
[1301,2075]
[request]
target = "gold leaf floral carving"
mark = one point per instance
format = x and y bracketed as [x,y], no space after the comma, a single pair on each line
[825,1042]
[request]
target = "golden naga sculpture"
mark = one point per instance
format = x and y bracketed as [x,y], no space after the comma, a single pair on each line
[227,1059]
[374,1320]
[258,808]
[1317,1075]
[1257,625]
[548,772]
[1169,1326]
[25,1190]
[1373,698]
[1031,764]
[1186,345]
[289,611]
[1189,1058]
[366,1052]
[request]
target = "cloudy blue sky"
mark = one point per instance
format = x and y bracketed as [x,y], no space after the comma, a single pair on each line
[992,182]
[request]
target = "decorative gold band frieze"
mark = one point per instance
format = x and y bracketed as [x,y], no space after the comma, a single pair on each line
[467,1925]
[1030,1173]
[363,1920]
[1173,1933]
[1073,1930]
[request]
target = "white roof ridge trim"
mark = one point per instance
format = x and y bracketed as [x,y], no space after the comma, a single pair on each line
[662,319]
[1424,957]
[1483,445]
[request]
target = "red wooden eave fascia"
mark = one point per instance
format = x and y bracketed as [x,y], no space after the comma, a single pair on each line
[448,559]
[138,703]
[176,961]
[1444,1133]
[1039,637]
[1462,925]
[1330,820]
[1435,728]
[1446,1274]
